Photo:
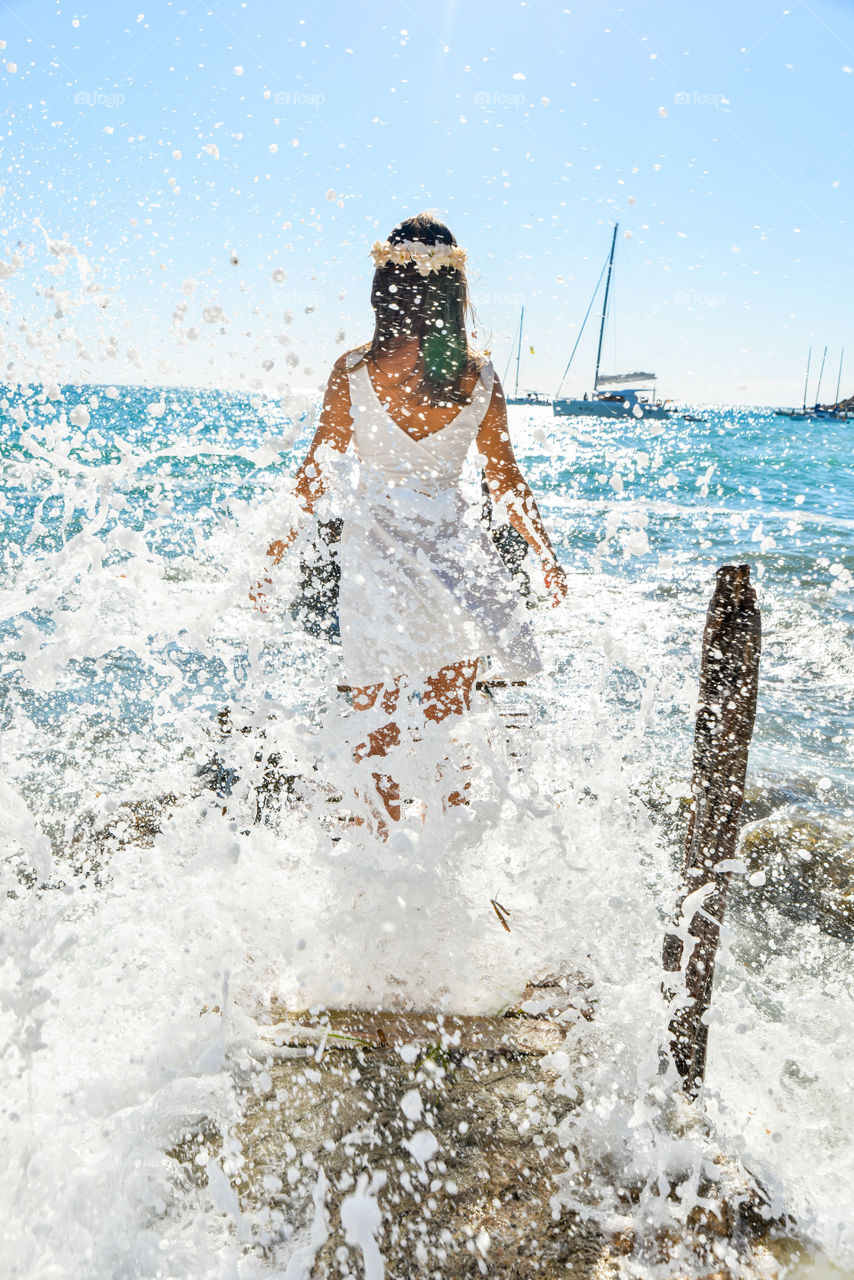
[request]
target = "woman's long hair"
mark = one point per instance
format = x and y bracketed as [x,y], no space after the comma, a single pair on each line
[433,308]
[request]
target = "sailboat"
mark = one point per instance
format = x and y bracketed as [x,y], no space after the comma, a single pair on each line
[635,395]
[527,397]
[818,413]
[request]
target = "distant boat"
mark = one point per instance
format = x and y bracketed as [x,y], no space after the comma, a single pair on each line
[526,397]
[837,412]
[635,397]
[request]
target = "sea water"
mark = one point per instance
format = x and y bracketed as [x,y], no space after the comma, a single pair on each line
[160,888]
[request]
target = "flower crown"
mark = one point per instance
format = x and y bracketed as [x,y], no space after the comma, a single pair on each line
[426,257]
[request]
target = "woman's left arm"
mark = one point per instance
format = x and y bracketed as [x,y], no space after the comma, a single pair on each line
[506,481]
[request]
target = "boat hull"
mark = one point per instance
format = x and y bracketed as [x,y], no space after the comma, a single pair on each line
[608,409]
[812,415]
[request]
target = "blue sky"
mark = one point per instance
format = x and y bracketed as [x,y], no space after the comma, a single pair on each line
[162,141]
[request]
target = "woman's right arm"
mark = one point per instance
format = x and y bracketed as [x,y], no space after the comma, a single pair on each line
[334,428]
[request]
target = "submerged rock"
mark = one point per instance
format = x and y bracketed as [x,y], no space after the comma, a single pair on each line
[797,863]
[804,868]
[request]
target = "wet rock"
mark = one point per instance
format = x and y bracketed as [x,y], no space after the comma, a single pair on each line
[95,838]
[446,1137]
[243,754]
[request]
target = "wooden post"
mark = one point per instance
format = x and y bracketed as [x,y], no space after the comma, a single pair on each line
[728,685]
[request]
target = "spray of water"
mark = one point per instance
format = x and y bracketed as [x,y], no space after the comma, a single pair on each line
[188,840]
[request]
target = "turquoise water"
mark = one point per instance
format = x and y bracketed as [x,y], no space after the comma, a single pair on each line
[654,507]
[132,522]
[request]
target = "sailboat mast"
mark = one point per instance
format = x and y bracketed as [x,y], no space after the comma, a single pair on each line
[820,376]
[807,378]
[519,352]
[839,377]
[605,307]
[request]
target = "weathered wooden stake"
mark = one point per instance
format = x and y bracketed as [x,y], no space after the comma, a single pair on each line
[728,685]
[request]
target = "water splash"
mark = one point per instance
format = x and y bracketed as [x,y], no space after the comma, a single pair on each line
[166,876]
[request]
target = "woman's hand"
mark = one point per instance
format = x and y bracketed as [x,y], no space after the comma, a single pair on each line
[556,583]
[276,550]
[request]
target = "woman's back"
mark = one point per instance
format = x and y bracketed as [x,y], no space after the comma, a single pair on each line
[399,438]
[395,378]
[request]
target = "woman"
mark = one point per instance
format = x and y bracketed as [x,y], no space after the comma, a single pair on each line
[424,594]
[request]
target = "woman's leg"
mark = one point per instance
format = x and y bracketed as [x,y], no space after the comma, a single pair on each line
[448,693]
[380,741]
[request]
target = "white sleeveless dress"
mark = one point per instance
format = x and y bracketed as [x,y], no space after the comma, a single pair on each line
[422,585]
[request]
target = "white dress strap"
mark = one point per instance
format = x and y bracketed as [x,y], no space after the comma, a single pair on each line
[353,359]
